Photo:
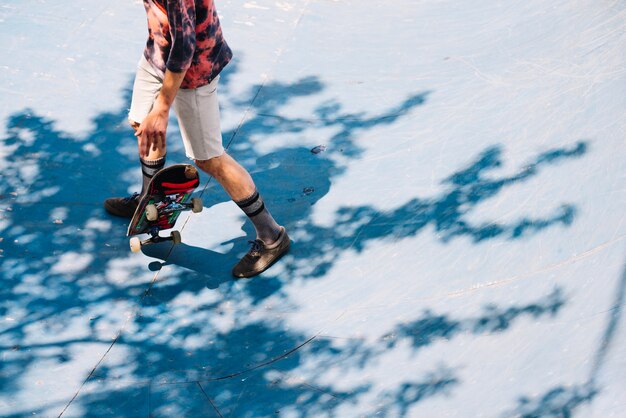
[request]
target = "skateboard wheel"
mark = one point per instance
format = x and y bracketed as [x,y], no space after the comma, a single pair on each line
[135,244]
[197,205]
[152,214]
[175,235]
[191,172]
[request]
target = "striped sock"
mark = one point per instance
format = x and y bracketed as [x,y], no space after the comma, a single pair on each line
[267,229]
[148,169]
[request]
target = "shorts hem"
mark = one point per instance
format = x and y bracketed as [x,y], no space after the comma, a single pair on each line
[210,157]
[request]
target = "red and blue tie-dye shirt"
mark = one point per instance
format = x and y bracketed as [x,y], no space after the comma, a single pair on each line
[185,35]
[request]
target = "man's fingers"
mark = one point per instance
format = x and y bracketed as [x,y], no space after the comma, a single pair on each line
[148,145]
[152,142]
[149,139]
[144,145]
[157,141]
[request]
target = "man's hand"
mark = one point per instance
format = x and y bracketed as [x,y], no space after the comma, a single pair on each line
[151,132]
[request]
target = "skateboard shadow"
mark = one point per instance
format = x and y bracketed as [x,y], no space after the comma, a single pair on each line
[212,267]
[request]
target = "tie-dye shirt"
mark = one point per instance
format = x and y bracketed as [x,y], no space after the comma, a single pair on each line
[185,35]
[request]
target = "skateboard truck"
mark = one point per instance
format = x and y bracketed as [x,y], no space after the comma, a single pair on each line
[136,243]
[153,211]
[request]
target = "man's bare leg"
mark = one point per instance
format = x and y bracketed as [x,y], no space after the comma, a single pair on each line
[233,177]
[272,240]
[237,182]
[150,165]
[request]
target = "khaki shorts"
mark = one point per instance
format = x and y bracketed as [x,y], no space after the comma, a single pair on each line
[197,111]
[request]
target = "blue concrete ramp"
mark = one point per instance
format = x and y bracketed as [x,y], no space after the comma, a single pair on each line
[452,174]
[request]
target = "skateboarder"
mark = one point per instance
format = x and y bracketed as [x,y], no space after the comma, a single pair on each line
[180,68]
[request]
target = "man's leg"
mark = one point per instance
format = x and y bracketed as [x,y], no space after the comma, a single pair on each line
[272,240]
[125,206]
[151,164]
[145,90]
[240,187]
[199,120]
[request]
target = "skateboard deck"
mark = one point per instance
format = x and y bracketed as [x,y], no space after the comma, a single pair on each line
[168,194]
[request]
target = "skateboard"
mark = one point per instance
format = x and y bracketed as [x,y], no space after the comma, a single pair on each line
[168,194]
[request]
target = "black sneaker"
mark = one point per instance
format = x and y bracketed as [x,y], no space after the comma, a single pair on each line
[122,206]
[261,256]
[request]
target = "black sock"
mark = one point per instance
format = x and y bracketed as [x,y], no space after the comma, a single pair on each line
[267,229]
[148,169]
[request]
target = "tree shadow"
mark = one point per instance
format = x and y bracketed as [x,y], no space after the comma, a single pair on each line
[431,327]
[563,401]
[66,264]
[560,402]
[397,403]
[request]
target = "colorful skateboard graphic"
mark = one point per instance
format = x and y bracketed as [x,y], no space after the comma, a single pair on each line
[169,194]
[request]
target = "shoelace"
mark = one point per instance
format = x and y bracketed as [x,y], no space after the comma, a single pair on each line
[129,198]
[256,247]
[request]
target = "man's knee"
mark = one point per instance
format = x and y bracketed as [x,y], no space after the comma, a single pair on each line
[212,166]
